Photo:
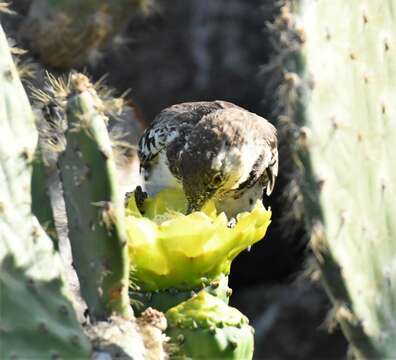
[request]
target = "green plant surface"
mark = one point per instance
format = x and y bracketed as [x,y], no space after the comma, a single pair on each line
[165,299]
[37,317]
[207,328]
[41,201]
[347,69]
[94,207]
[183,252]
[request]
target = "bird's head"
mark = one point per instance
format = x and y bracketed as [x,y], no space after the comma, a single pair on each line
[209,168]
[202,187]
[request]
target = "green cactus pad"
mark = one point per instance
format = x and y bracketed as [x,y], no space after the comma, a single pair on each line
[173,250]
[41,202]
[94,206]
[207,328]
[345,101]
[37,319]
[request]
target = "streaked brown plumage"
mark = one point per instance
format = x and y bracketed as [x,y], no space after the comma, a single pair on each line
[211,150]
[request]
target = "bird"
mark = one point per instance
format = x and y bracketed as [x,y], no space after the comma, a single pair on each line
[211,150]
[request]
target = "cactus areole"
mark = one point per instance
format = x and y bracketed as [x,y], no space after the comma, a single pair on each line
[345,66]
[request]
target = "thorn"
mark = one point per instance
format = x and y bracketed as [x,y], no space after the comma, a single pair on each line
[215,284]
[5,8]
[328,35]
[180,339]
[383,184]
[292,80]
[383,108]
[42,328]
[304,136]
[8,74]
[386,43]
[302,36]
[75,340]
[320,182]
[86,313]
[336,122]
[317,240]
[80,83]
[30,284]
[344,217]
[364,16]
[63,310]
[366,78]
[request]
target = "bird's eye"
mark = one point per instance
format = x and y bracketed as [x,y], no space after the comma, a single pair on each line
[217,179]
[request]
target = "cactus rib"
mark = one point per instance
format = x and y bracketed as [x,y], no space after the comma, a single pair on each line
[37,317]
[93,205]
[345,69]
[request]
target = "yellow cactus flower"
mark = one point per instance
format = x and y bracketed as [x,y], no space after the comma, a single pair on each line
[169,249]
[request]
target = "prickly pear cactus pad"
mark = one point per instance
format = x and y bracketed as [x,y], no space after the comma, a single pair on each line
[173,250]
[206,328]
[94,207]
[349,56]
[37,319]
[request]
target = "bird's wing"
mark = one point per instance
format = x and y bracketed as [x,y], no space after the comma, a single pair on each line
[271,159]
[173,122]
[272,171]
[265,166]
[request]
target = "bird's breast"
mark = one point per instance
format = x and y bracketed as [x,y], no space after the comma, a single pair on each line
[157,176]
[235,202]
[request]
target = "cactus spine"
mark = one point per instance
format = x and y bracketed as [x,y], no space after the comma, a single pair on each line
[343,102]
[37,317]
[94,207]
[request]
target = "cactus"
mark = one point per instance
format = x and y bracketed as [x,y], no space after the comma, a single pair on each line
[163,300]
[340,56]
[206,328]
[65,33]
[41,201]
[174,254]
[93,204]
[37,316]
[74,134]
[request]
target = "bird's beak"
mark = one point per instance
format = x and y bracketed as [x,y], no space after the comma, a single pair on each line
[195,205]
[190,208]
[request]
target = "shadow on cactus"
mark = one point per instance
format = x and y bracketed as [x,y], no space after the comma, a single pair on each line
[172,250]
